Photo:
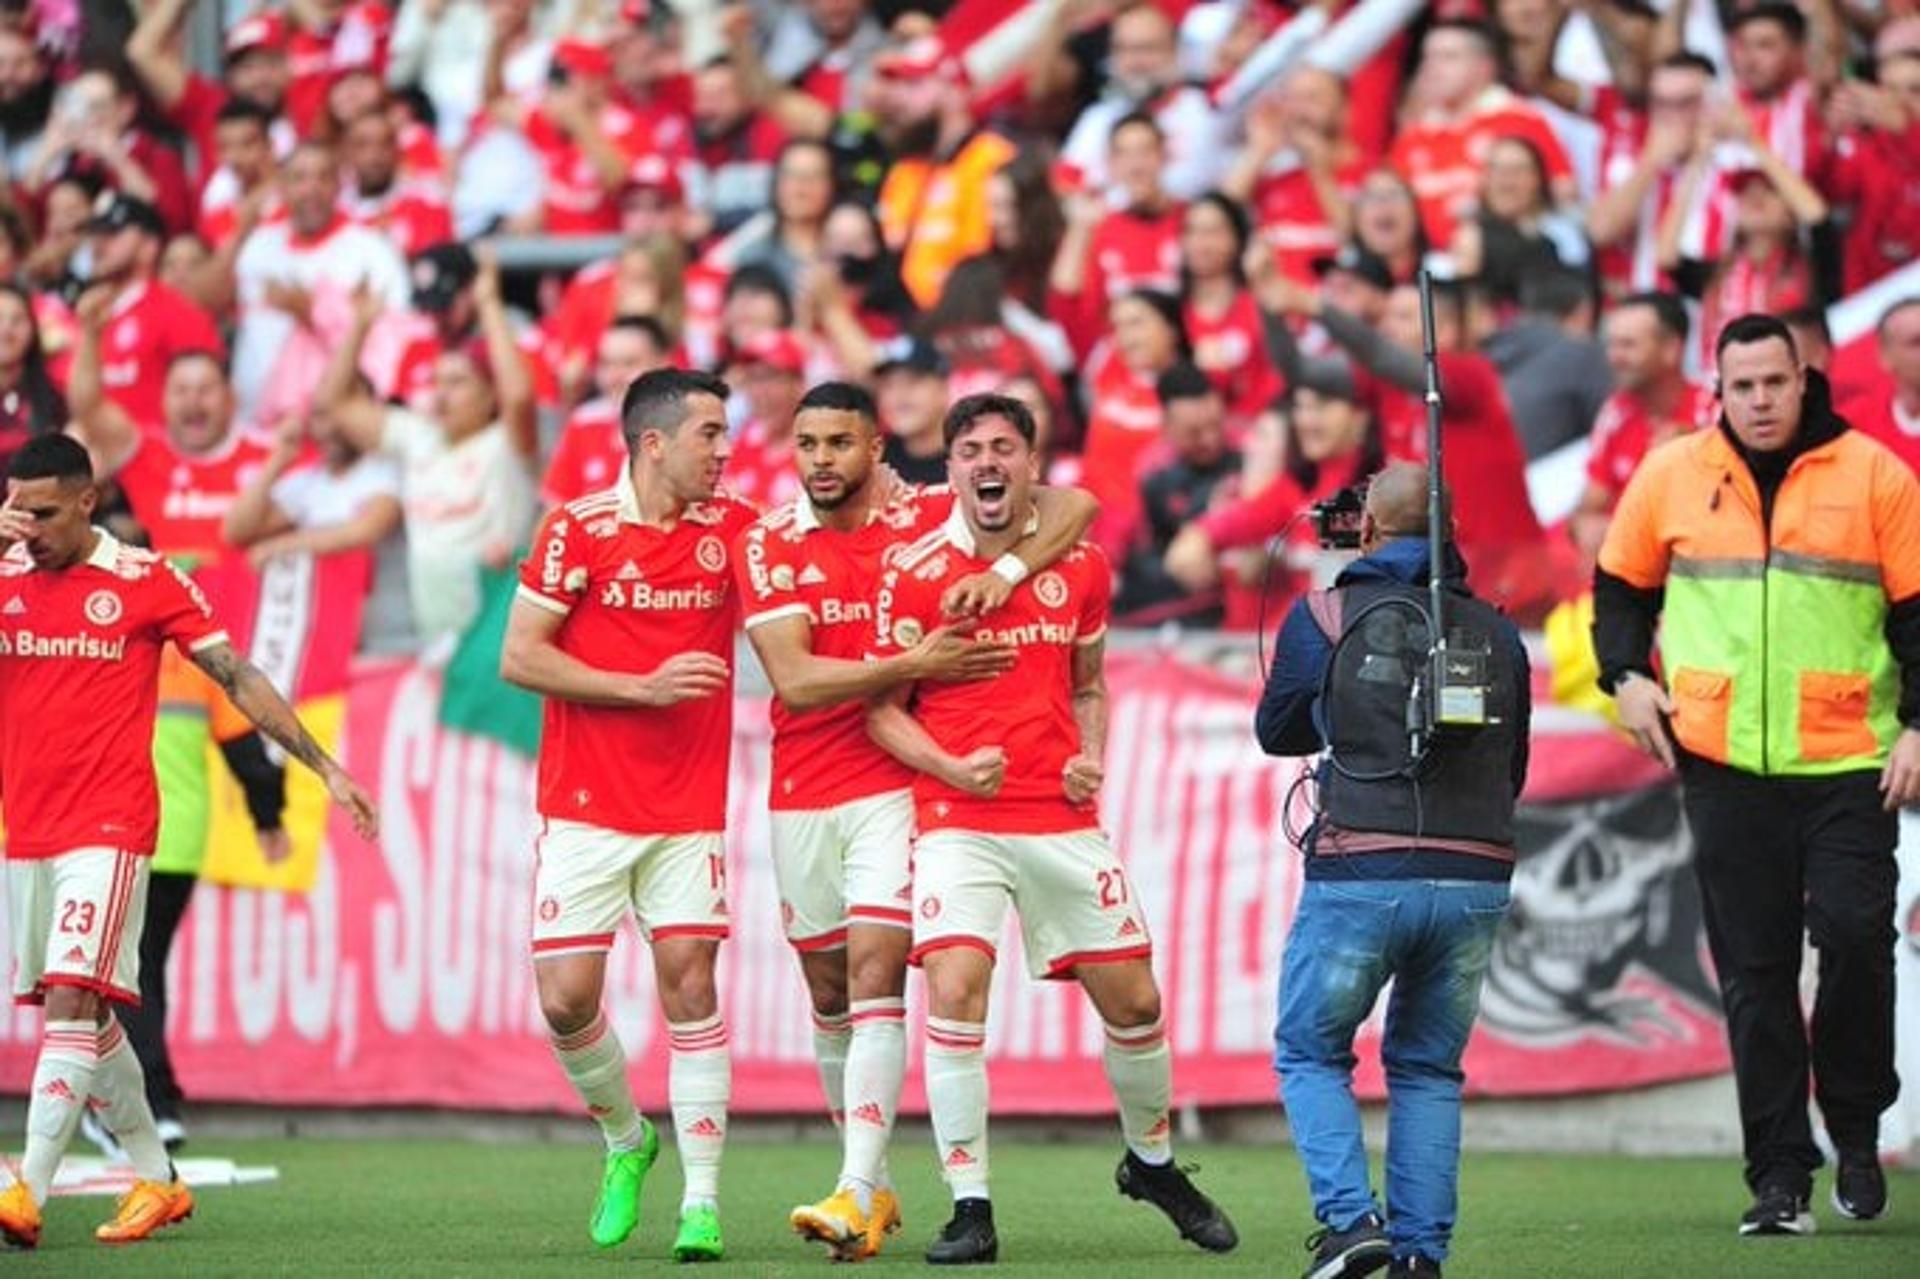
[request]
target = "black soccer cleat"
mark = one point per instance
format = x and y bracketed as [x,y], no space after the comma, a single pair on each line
[1859,1186]
[1777,1210]
[1360,1249]
[969,1238]
[1167,1188]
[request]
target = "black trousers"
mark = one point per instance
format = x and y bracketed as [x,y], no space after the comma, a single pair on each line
[1778,857]
[167,899]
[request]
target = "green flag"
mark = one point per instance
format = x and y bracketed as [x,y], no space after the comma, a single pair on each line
[474,699]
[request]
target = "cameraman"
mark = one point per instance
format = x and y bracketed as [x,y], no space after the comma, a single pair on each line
[1406,878]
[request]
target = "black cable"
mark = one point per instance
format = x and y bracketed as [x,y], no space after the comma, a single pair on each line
[1348,628]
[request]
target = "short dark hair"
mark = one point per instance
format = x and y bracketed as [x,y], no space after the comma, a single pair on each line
[757,278]
[1140,119]
[1556,291]
[52,457]
[1182,382]
[1812,318]
[970,409]
[1688,60]
[1886,316]
[1668,310]
[239,110]
[647,326]
[206,353]
[840,397]
[1751,329]
[1783,13]
[657,401]
[1480,31]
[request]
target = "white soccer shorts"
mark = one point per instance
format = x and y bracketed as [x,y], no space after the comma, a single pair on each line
[76,920]
[849,864]
[588,879]
[1075,900]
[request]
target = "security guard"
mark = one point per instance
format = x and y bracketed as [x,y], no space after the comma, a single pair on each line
[1783,549]
[1406,878]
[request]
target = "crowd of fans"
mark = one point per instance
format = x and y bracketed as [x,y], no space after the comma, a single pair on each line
[1186,234]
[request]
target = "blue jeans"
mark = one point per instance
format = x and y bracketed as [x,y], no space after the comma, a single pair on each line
[1434,938]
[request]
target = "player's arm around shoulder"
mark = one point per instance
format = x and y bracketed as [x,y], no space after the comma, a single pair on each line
[254,696]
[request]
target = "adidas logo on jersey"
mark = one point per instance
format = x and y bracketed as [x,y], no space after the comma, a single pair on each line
[629,572]
[704,1127]
[870,1113]
[15,607]
[812,576]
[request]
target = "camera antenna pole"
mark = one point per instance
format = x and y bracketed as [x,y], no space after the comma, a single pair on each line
[1436,503]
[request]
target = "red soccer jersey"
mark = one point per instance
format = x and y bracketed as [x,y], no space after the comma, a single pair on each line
[1286,207]
[149,325]
[1231,349]
[576,202]
[79,682]
[182,501]
[1027,712]
[1443,160]
[317,57]
[1880,417]
[1878,176]
[590,456]
[1132,251]
[762,469]
[412,213]
[1625,431]
[1123,431]
[788,565]
[633,596]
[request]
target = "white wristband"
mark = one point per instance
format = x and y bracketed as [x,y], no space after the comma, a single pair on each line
[1011,568]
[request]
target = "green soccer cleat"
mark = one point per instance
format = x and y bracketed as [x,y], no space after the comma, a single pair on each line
[699,1237]
[617,1211]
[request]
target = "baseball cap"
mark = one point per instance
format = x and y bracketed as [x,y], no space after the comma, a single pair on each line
[583,58]
[1357,261]
[916,355]
[260,31]
[114,211]
[439,272]
[917,59]
[776,348]
[655,173]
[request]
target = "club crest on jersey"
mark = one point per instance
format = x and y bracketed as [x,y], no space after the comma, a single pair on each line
[782,576]
[1050,589]
[712,554]
[102,608]
[907,632]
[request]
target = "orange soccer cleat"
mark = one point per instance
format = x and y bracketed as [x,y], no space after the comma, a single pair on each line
[19,1216]
[144,1209]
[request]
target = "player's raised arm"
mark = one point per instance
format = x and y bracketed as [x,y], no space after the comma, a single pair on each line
[254,695]
[1063,517]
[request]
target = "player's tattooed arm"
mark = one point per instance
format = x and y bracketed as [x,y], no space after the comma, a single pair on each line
[1063,516]
[1084,772]
[254,696]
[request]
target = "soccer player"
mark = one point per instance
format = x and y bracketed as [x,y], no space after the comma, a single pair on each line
[1009,771]
[83,620]
[624,622]
[842,810]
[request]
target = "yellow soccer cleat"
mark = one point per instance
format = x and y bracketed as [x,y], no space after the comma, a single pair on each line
[19,1216]
[881,1222]
[146,1208]
[835,1221]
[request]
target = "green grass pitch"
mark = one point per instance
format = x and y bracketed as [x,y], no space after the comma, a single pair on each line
[414,1208]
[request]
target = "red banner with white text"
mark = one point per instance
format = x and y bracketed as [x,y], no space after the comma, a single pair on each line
[402,978]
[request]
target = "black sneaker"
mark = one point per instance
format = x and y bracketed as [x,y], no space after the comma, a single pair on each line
[1415,1265]
[1360,1249]
[1859,1186]
[1778,1210]
[1167,1188]
[968,1239]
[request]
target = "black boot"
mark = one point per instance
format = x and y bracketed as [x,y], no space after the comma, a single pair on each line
[1167,1188]
[968,1239]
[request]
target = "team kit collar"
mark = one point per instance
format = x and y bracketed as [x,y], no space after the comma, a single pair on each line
[104,556]
[628,508]
[960,533]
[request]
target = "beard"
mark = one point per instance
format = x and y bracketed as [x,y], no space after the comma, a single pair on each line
[912,138]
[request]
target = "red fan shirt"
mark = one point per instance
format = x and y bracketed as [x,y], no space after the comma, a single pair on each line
[149,325]
[590,456]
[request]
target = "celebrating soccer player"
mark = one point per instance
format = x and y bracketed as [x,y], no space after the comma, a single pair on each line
[83,620]
[624,622]
[1009,772]
[842,810]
